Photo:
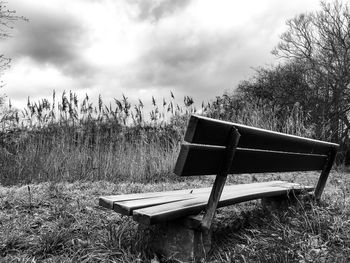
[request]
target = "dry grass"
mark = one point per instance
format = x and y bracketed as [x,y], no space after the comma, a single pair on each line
[70,153]
[142,155]
[62,222]
[68,140]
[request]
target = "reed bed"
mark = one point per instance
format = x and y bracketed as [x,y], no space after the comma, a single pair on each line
[70,140]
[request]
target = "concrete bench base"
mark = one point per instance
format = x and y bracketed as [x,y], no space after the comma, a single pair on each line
[176,240]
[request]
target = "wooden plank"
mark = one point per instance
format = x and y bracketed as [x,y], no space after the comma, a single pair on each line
[108,201]
[171,211]
[203,130]
[127,207]
[127,203]
[206,160]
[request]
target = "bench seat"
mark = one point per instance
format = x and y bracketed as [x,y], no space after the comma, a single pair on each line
[158,207]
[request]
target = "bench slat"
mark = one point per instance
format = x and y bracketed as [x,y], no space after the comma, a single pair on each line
[108,201]
[195,159]
[203,130]
[126,207]
[171,211]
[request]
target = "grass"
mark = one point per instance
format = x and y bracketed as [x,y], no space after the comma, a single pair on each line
[56,159]
[62,222]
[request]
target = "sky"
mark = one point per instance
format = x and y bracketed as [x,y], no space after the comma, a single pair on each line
[141,48]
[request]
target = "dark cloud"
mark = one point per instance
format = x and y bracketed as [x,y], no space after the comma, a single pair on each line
[154,10]
[50,37]
[198,65]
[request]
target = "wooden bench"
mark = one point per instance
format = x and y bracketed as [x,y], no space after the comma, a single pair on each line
[220,148]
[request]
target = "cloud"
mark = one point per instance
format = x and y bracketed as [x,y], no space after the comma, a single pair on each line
[141,48]
[154,10]
[196,63]
[203,61]
[52,37]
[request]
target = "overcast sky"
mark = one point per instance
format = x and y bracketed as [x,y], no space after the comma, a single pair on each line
[141,48]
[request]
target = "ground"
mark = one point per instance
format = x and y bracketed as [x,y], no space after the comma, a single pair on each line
[62,222]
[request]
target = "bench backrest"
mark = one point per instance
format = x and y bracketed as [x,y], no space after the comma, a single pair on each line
[257,151]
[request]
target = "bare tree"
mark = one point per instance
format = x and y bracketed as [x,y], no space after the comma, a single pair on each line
[321,42]
[7,19]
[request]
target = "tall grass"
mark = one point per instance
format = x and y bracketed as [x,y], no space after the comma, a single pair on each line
[68,140]
[289,120]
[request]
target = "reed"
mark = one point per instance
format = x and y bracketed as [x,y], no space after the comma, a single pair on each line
[70,140]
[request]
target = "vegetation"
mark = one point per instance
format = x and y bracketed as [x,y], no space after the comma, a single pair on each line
[71,141]
[313,75]
[74,155]
[320,42]
[68,140]
[62,222]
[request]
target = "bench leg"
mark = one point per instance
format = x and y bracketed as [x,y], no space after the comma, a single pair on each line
[175,241]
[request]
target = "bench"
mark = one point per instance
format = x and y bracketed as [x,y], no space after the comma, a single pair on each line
[184,218]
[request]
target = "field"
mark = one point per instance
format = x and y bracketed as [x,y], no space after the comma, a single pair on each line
[56,161]
[62,222]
